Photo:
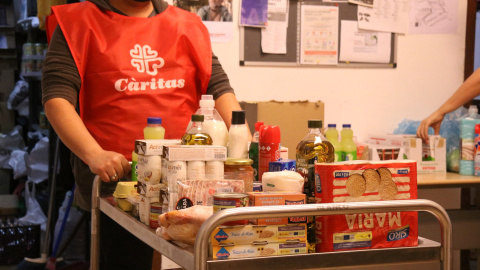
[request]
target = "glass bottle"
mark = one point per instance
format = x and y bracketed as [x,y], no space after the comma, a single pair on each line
[196,135]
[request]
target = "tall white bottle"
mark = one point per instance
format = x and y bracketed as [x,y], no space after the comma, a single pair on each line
[238,136]
[213,123]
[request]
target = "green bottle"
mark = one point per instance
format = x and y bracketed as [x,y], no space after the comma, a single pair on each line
[253,151]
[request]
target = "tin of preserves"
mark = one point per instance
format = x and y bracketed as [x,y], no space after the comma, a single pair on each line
[230,200]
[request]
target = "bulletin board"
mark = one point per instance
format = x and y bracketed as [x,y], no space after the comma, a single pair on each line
[250,41]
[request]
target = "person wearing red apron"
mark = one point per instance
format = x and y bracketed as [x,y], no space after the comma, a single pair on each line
[132,66]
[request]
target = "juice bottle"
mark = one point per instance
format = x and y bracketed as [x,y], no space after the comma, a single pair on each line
[332,136]
[196,134]
[313,148]
[349,148]
[154,129]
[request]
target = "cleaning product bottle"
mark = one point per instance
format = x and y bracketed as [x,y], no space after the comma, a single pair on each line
[238,136]
[152,131]
[349,148]
[332,136]
[477,151]
[213,122]
[314,147]
[196,134]
[467,137]
[268,148]
[253,151]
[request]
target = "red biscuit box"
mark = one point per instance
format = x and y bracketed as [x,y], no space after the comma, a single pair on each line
[357,181]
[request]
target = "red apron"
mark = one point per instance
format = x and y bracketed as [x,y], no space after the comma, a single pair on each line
[133,68]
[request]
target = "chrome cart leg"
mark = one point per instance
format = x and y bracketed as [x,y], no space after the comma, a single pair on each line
[95,229]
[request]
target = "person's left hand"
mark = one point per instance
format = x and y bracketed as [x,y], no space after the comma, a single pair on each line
[109,166]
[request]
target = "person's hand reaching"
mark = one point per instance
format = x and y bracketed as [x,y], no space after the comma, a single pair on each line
[109,166]
[434,121]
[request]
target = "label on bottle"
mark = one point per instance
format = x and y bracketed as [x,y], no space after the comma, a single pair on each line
[267,152]
[338,156]
[306,168]
[349,155]
[253,155]
[134,171]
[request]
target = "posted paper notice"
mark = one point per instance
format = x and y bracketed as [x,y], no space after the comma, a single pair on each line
[319,35]
[386,16]
[358,45]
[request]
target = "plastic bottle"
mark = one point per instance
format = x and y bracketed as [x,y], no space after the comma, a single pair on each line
[332,137]
[349,148]
[467,137]
[314,147]
[238,136]
[154,129]
[268,147]
[253,151]
[196,134]
[477,151]
[213,122]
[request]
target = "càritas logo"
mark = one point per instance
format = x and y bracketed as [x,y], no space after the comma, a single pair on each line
[146,60]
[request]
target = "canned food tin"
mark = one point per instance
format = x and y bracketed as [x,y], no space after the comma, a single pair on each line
[257,186]
[28,49]
[155,211]
[39,48]
[28,66]
[230,200]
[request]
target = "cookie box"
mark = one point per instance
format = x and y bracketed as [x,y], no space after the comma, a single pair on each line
[360,181]
[258,249]
[251,233]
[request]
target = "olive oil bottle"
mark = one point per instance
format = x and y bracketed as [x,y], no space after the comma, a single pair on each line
[196,134]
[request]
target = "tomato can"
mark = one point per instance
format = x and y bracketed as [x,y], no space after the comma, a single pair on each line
[155,211]
[230,200]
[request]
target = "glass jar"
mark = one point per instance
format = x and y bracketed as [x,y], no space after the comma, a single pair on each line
[240,169]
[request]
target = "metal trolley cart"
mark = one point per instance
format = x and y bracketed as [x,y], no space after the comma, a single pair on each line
[427,255]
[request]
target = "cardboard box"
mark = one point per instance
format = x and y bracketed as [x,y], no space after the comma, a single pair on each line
[277,198]
[355,182]
[194,152]
[148,190]
[153,147]
[251,233]
[430,158]
[292,118]
[258,250]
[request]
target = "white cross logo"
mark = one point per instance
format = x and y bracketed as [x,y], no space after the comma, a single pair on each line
[145,59]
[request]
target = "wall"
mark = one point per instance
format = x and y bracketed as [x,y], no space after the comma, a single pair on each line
[430,69]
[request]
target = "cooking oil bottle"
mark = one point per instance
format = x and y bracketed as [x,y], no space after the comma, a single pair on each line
[197,134]
[313,148]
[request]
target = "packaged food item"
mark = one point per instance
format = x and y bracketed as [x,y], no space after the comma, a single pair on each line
[233,251]
[366,181]
[253,150]
[276,198]
[282,181]
[155,212]
[149,169]
[223,201]
[214,169]
[200,192]
[149,190]
[194,152]
[282,165]
[255,233]
[240,169]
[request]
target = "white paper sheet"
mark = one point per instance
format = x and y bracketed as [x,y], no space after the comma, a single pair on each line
[386,16]
[274,36]
[433,17]
[358,45]
[220,32]
[319,35]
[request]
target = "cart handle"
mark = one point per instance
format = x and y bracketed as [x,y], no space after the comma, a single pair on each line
[324,209]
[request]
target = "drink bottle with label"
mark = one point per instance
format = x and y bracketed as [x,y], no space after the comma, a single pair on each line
[349,148]
[332,136]
[196,135]
[253,151]
[467,138]
[313,148]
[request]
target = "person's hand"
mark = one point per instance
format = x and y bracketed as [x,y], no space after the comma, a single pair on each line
[109,166]
[434,121]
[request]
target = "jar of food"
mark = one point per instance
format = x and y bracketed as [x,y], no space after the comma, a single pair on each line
[240,169]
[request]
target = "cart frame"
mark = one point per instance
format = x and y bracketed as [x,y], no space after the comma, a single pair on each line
[179,253]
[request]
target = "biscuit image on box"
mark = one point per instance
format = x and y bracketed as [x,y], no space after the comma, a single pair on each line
[388,190]
[356,185]
[267,251]
[372,179]
[385,174]
[266,234]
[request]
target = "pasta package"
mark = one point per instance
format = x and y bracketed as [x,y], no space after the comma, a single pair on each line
[255,233]
[360,181]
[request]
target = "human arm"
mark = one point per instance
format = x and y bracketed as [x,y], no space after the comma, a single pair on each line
[466,92]
[73,133]
[227,103]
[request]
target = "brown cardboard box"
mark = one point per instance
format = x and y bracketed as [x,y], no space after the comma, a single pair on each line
[291,116]
[7,118]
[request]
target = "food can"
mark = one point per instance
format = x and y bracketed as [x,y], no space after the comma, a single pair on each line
[230,200]
[28,49]
[39,48]
[257,186]
[28,66]
[155,211]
